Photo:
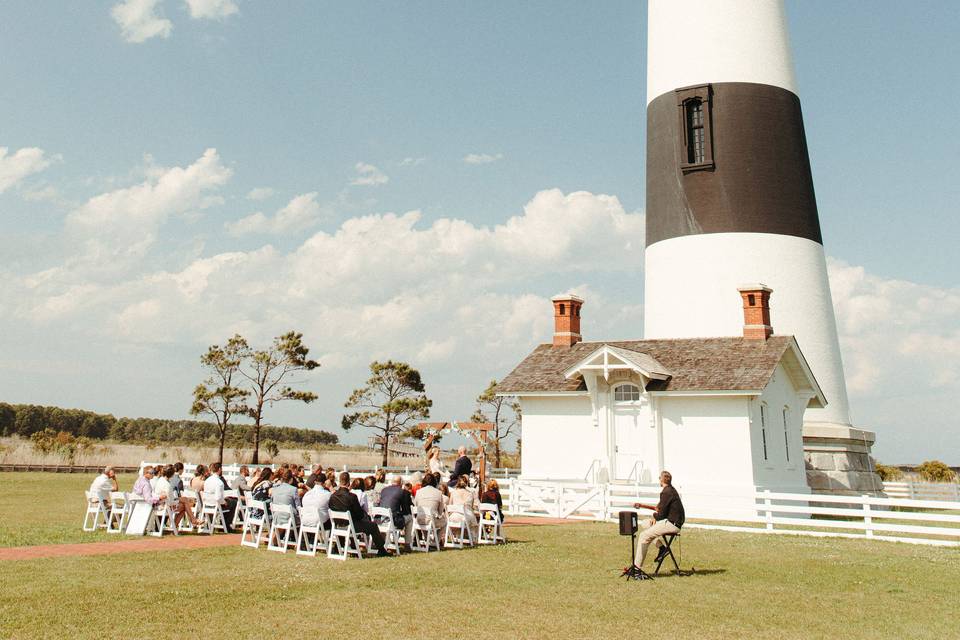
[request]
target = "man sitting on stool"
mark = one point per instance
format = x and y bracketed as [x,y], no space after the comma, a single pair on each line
[667,518]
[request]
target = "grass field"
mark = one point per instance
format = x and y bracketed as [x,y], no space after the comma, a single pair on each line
[548,582]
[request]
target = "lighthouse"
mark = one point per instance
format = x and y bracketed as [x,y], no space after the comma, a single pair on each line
[730,200]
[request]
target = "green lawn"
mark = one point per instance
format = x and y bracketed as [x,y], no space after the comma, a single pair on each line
[548,582]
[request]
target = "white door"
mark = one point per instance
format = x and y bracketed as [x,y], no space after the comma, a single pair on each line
[628,424]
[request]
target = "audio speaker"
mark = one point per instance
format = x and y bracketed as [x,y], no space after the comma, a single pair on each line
[628,523]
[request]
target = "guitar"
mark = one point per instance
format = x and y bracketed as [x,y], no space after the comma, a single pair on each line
[640,505]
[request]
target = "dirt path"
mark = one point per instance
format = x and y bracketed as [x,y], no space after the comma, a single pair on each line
[177,543]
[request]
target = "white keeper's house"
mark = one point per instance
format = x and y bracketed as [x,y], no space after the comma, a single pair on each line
[720,413]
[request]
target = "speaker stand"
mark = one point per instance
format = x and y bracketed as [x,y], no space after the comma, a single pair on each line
[633,572]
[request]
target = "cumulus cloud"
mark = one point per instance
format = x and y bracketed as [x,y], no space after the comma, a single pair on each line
[125,221]
[211,9]
[412,162]
[368,175]
[888,327]
[482,158]
[140,20]
[259,193]
[300,213]
[17,166]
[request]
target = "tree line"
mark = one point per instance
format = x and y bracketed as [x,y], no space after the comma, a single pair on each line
[24,420]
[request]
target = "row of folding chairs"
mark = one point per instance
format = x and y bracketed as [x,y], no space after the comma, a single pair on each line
[113,517]
[283,530]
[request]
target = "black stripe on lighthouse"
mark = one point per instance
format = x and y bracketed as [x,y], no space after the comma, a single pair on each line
[745,168]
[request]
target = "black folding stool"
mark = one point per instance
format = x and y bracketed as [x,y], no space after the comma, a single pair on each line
[668,539]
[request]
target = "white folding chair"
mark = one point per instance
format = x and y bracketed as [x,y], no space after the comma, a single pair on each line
[490,528]
[211,514]
[383,517]
[308,546]
[240,513]
[96,512]
[190,494]
[458,532]
[425,531]
[282,521]
[162,519]
[256,520]
[120,507]
[343,537]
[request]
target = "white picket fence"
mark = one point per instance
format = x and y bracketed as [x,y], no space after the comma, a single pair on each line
[923,490]
[931,522]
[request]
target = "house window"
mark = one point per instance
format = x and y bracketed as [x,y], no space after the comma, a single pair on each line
[626,393]
[786,431]
[694,110]
[763,428]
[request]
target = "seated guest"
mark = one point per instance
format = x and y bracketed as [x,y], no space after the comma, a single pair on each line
[429,497]
[177,480]
[156,478]
[462,495]
[667,518]
[240,482]
[416,481]
[316,503]
[380,480]
[356,486]
[315,473]
[461,467]
[400,503]
[103,484]
[370,490]
[169,487]
[215,485]
[261,489]
[492,496]
[142,486]
[284,492]
[199,476]
[343,499]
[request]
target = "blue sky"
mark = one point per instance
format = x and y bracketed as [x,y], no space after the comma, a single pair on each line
[514,132]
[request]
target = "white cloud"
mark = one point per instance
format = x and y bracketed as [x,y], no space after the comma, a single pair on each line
[368,175]
[412,162]
[16,167]
[259,193]
[300,213]
[212,9]
[139,20]
[482,158]
[123,223]
[893,331]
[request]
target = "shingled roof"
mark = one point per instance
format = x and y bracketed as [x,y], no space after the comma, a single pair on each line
[695,364]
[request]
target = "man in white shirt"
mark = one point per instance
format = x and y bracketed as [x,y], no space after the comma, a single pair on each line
[104,483]
[214,485]
[317,498]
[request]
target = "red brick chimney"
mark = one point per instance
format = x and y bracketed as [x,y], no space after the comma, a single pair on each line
[566,320]
[756,311]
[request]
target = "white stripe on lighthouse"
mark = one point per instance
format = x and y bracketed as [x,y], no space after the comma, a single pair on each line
[694,42]
[691,291]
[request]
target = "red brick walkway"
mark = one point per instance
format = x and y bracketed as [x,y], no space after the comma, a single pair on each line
[176,543]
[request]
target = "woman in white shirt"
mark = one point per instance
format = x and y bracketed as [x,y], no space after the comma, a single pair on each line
[463,495]
[356,488]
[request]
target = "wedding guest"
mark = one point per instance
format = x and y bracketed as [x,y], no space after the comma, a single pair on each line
[492,496]
[343,499]
[400,503]
[103,484]
[429,497]
[143,488]
[240,482]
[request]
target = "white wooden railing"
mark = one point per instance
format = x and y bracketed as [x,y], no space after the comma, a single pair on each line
[932,522]
[923,490]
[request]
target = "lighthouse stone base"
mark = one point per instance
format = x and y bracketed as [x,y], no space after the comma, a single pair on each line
[838,459]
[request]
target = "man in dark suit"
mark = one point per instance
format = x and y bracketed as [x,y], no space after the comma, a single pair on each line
[398,500]
[345,500]
[461,467]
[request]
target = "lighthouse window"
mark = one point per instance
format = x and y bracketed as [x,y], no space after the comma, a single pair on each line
[626,393]
[695,122]
[695,149]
